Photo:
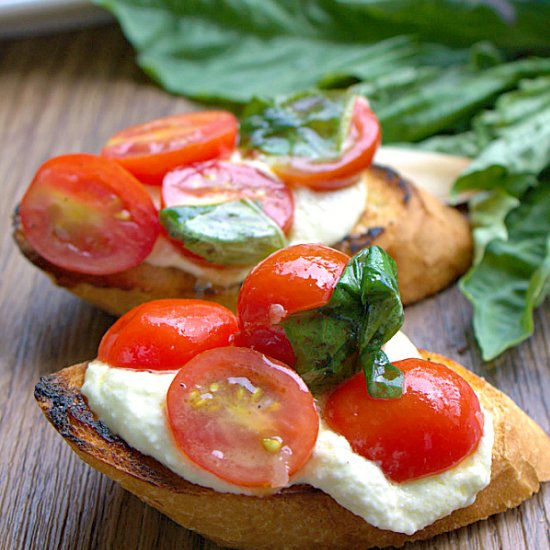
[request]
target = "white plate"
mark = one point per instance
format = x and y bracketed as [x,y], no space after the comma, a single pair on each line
[27,17]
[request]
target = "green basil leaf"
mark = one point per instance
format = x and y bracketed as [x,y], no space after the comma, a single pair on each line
[464,144]
[513,276]
[447,99]
[519,134]
[333,342]
[313,125]
[235,233]
[231,50]
[487,214]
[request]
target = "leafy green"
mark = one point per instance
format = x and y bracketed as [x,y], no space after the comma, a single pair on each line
[465,144]
[488,211]
[518,132]
[234,233]
[443,100]
[346,335]
[231,50]
[513,276]
[309,124]
[511,146]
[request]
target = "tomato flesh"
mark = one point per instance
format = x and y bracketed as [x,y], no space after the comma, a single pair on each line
[363,140]
[220,181]
[152,149]
[434,425]
[296,278]
[87,214]
[245,418]
[165,334]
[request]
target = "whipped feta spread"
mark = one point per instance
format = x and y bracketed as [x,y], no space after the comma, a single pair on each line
[132,404]
[319,217]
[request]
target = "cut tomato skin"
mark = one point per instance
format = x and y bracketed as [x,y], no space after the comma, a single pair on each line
[247,419]
[87,214]
[222,181]
[364,138]
[433,426]
[296,278]
[152,149]
[166,334]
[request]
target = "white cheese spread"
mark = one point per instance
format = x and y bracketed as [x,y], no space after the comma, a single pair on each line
[132,404]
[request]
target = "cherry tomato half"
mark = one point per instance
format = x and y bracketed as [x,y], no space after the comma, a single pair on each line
[245,418]
[435,424]
[152,149]
[219,181]
[87,214]
[165,334]
[363,140]
[293,279]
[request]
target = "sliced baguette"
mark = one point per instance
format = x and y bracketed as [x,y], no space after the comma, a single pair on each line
[300,517]
[430,242]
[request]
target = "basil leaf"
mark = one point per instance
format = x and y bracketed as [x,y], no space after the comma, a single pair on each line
[519,134]
[231,50]
[313,125]
[487,214]
[235,233]
[446,99]
[513,276]
[465,144]
[333,342]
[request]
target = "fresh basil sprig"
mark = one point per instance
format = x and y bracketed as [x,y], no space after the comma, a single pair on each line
[235,233]
[333,342]
[312,125]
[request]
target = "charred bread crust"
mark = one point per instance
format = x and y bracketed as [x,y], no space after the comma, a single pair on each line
[430,242]
[299,517]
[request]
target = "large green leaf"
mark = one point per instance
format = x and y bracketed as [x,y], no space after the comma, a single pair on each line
[513,276]
[231,50]
[518,136]
[426,103]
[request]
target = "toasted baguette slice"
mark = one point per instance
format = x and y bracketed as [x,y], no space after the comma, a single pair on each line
[430,242]
[300,517]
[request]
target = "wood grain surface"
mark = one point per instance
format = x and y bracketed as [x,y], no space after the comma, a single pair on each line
[69,93]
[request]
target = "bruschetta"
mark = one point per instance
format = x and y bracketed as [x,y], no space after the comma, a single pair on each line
[185,206]
[307,420]
[431,244]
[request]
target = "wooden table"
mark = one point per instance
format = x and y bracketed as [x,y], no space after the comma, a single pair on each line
[69,93]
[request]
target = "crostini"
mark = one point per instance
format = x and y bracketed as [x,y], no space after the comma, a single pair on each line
[116,255]
[306,421]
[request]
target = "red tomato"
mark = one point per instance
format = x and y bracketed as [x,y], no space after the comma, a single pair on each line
[218,181]
[435,424]
[245,418]
[363,140]
[293,279]
[165,334]
[87,214]
[152,149]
